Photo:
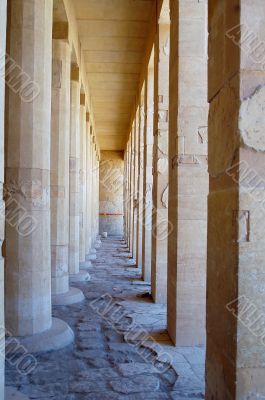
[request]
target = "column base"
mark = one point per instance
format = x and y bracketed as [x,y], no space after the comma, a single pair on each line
[73,296]
[82,276]
[57,337]
[13,394]
[98,244]
[85,265]
[91,257]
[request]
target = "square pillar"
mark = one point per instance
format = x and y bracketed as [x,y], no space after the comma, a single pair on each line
[188,176]
[135,186]
[3,11]
[160,165]
[148,176]
[141,125]
[235,365]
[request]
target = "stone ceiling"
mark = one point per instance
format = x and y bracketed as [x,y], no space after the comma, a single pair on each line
[113,36]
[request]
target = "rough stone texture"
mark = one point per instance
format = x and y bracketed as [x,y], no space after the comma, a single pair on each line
[188,176]
[235,352]
[12,394]
[28,255]
[160,176]
[107,359]
[111,171]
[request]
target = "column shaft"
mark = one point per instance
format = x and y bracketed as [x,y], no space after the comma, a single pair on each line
[188,176]
[3,11]
[83,134]
[135,186]
[160,166]
[131,189]
[236,204]
[148,177]
[60,139]
[88,189]
[74,229]
[140,182]
[28,119]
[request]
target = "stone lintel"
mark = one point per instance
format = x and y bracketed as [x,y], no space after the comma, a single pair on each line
[60,30]
[82,99]
[75,73]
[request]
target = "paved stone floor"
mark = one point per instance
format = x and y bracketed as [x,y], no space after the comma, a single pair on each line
[121,348]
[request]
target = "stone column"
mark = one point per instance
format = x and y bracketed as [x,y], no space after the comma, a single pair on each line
[98,242]
[94,194]
[3,10]
[127,189]
[160,165]
[60,139]
[127,194]
[74,229]
[87,263]
[140,182]
[88,183]
[83,134]
[125,182]
[235,365]
[92,251]
[135,186]
[131,190]
[28,238]
[148,177]
[188,176]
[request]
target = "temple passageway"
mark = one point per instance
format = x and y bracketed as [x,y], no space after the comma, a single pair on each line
[113,356]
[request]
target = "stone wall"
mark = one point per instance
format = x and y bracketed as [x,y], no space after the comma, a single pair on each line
[111,192]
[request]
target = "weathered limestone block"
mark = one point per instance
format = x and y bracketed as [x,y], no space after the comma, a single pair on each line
[235,303]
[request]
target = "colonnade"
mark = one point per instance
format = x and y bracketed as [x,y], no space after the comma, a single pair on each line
[50,160]
[203,225]
[194,180]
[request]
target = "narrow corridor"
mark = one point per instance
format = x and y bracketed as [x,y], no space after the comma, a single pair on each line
[113,356]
